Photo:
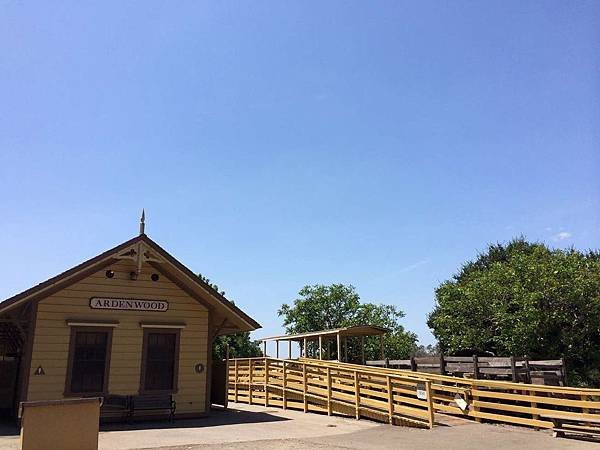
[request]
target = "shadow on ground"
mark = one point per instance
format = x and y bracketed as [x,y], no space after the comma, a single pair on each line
[216,418]
[8,428]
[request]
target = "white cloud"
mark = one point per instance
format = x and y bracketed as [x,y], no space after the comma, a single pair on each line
[562,236]
[414,266]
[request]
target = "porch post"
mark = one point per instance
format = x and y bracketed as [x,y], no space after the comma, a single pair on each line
[339,347]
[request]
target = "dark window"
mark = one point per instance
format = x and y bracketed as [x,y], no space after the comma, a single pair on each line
[160,360]
[89,357]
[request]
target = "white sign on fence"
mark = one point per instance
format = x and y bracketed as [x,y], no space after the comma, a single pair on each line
[421,391]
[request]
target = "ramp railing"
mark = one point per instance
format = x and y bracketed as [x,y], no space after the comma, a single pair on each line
[500,401]
[349,390]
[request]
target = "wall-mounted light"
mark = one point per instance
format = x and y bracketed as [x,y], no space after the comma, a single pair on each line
[154,277]
[109,273]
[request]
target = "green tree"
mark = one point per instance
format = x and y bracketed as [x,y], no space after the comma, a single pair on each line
[521,299]
[240,344]
[322,307]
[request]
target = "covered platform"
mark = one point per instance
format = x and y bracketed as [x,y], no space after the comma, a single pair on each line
[315,341]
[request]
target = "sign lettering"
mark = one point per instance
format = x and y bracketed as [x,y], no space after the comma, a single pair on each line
[128,304]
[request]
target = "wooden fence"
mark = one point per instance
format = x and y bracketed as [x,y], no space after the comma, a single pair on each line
[348,390]
[499,401]
[517,369]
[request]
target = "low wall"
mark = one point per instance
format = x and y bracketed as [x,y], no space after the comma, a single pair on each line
[60,424]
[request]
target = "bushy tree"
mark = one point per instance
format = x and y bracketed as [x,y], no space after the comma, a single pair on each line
[521,299]
[240,344]
[322,307]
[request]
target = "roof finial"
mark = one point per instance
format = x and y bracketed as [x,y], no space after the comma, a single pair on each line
[142,224]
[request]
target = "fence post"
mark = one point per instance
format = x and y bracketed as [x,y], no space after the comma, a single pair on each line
[513,369]
[357,394]
[390,401]
[442,365]
[475,367]
[527,370]
[328,391]
[413,364]
[304,387]
[563,370]
[387,362]
[284,386]
[266,382]
[250,382]
[429,403]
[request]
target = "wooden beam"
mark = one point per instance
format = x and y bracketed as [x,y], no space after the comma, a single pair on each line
[339,347]
[290,349]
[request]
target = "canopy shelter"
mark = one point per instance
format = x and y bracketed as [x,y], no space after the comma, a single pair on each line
[338,335]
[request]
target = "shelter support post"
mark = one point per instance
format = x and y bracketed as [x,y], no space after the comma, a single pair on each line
[362,349]
[339,347]
[320,347]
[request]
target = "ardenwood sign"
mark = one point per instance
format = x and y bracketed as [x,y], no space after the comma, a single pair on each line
[130,304]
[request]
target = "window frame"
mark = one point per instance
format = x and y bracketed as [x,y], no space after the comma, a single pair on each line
[71,359]
[147,332]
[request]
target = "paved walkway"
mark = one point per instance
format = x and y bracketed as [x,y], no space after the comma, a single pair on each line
[257,427]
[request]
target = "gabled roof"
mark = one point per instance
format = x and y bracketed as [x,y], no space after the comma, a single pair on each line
[181,275]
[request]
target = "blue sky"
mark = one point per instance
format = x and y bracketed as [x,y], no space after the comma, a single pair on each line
[278,144]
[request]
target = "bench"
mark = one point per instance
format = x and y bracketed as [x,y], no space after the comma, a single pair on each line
[115,406]
[153,402]
[568,424]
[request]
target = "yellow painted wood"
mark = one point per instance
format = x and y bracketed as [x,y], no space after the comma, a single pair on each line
[52,335]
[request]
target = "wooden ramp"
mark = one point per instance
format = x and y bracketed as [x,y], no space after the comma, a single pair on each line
[403,397]
[347,391]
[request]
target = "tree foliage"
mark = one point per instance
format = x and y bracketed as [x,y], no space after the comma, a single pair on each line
[321,307]
[240,345]
[525,299]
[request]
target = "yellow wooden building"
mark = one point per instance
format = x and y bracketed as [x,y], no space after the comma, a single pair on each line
[131,322]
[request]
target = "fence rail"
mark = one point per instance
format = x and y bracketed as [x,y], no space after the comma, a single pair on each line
[351,390]
[513,368]
[501,401]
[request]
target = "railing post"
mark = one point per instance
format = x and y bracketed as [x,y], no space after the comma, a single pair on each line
[266,382]
[284,386]
[328,391]
[390,400]
[304,387]
[357,394]
[235,381]
[250,368]
[442,365]
[430,412]
[226,400]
